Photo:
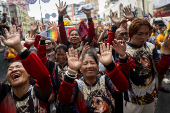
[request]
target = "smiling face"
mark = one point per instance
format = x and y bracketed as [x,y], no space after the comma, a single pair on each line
[61,56]
[141,36]
[17,75]
[74,37]
[89,67]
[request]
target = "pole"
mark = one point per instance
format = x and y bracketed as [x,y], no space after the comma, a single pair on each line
[41,12]
[143,3]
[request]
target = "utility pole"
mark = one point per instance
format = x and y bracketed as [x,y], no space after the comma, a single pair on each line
[143,4]
[41,12]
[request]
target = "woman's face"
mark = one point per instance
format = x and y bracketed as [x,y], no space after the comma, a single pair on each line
[61,56]
[89,67]
[74,37]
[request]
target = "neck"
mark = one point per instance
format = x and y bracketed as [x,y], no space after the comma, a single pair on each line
[49,51]
[62,65]
[75,45]
[90,80]
[20,91]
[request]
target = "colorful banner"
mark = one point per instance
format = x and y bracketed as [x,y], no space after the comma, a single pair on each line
[31,1]
[45,1]
[50,33]
[22,3]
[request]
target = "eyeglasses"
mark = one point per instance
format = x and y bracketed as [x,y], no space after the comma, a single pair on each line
[48,43]
[122,34]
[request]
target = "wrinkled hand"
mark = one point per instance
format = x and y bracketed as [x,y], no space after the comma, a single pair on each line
[73,62]
[107,26]
[115,20]
[42,28]
[120,47]
[105,56]
[29,39]
[88,13]
[61,8]
[148,98]
[128,14]
[51,98]
[13,38]
[96,25]
[166,45]
[34,28]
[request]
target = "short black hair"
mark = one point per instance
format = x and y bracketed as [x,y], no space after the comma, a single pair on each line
[50,40]
[91,52]
[59,47]
[160,27]
[75,30]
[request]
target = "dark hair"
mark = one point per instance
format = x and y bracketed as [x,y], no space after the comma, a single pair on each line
[4,13]
[136,24]
[75,30]
[160,27]
[91,52]
[59,47]
[50,40]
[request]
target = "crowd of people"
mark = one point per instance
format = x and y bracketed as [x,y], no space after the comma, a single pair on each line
[97,68]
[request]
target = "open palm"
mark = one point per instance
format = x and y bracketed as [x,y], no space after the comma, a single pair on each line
[13,38]
[115,19]
[119,47]
[105,56]
[128,14]
[29,39]
[74,62]
[61,8]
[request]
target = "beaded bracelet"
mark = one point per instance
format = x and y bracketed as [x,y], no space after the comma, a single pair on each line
[72,70]
[68,75]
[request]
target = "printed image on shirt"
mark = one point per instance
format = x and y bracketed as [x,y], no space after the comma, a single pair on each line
[99,103]
[142,78]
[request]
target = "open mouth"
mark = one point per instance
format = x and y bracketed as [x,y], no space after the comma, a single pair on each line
[15,76]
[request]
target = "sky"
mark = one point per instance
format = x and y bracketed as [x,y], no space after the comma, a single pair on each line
[50,8]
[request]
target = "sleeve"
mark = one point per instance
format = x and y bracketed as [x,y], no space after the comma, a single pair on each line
[111,35]
[38,71]
[65,94]
[162,65]
[117,77]
[123,65]
[41,52]
[4,90]
[91,30]
[25,45]
[37,40]
[62,31]
[165,22]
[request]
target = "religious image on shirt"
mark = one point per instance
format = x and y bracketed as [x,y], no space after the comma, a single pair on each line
[98,102]
[142,78]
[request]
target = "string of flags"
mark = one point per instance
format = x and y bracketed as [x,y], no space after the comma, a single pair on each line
[34,1]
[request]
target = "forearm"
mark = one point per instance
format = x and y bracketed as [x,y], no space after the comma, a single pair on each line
[42,52]
[101,36]
[116,76]
[62,31]
[91,30]
[37,40]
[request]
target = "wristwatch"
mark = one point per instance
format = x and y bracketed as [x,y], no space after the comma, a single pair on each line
[22,50]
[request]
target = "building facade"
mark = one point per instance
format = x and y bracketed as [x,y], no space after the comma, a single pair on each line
[95,4]
[22,17]
[5,8]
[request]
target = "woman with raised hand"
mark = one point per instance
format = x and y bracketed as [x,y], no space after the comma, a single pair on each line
[92,93]
[20,96]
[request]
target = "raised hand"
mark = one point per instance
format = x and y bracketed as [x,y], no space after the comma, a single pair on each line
[88,13]
[107,26]
[85,48]
[74,62]
[115,20]
[34,28]
[105,56]
[29,39]
[128,14]
[61,9]
[42,28]
[166,45]
[51,24]
[13,38]
[120,47]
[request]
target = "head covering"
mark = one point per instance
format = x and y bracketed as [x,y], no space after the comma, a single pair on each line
[83,28]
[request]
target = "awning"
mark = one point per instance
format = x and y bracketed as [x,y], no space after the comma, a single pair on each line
[161,3]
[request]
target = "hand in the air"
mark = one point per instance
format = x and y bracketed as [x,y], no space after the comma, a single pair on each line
[29,39]
[61,8]
[128,14]
[120,47]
